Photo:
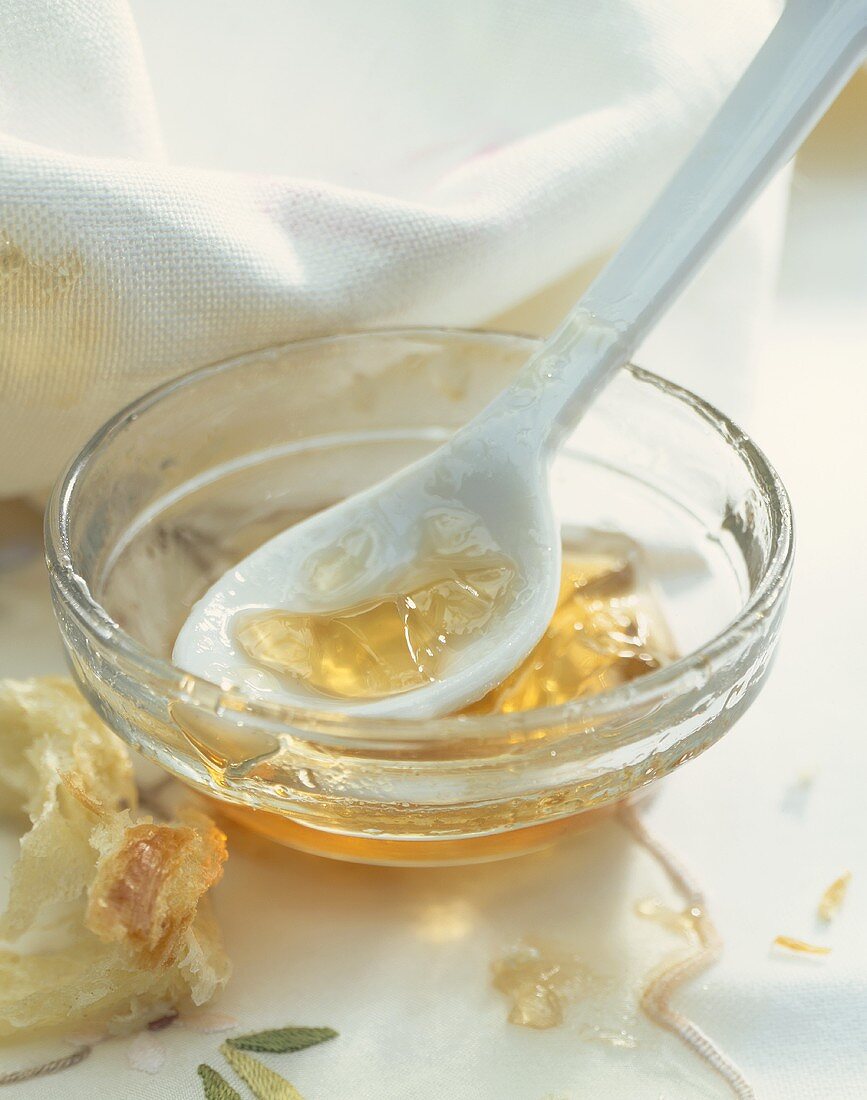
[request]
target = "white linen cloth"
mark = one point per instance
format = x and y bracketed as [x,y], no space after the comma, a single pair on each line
[249,173]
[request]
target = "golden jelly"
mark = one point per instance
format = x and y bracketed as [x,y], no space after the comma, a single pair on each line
[604,632]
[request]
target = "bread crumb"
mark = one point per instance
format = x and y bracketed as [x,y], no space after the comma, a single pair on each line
[833,897]
[789,943]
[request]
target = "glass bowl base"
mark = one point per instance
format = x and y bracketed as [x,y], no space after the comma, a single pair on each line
[412,852]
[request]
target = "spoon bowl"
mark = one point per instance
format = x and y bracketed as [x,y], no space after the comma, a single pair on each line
[473,499]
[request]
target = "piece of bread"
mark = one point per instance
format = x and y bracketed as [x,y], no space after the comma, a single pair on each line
[107,925]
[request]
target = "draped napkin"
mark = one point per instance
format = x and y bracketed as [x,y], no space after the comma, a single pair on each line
[182,183]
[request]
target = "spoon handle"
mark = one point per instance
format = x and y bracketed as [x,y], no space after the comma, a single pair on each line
[795,76]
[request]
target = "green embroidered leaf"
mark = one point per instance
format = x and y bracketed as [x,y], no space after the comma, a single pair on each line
[283,1040]
[215,1086]
[264,1083]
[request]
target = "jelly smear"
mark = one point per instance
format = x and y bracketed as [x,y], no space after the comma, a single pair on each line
[538,981]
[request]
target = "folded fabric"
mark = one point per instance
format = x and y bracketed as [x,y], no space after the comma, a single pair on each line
[255,173]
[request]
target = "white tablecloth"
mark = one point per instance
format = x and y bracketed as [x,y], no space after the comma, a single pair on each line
[239,175]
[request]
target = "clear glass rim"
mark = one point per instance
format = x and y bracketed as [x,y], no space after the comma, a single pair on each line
[647,691]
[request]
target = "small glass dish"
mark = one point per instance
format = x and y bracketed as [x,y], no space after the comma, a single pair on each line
[191,477]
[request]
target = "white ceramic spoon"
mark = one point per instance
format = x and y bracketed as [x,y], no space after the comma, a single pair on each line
[495,469]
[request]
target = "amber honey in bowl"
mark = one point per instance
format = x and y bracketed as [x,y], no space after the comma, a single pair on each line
[607,630]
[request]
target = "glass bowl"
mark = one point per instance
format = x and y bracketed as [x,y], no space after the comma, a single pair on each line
[194,475]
